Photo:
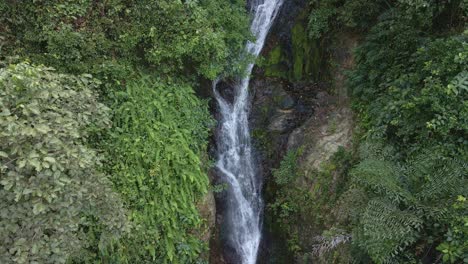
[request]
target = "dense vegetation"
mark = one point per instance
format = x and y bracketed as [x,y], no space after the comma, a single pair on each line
[115,97]
[160,131]
[404,198]
[107,38]
[410,89]
[52,190]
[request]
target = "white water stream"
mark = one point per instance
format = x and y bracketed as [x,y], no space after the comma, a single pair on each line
[235,161]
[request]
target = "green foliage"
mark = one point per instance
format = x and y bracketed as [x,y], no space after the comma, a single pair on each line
[288,171]
[160,133]
[156,148]
[172,37]
[404,203]
[319,21]
[373,58]
[360,14]
[380,177]
[50,186]
[428,12]
[455,246]
[330,15]
[418,95]
[290,200]
[304,199]
[409,88]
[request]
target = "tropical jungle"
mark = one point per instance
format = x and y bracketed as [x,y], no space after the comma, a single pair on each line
[233,131]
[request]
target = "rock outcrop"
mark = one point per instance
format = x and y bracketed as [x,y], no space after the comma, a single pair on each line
[312,116]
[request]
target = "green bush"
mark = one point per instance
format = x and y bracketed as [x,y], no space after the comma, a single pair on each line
[413,90]
[328,16]
[290,200]
[203,38]
[455,246]
[410,90]
[50,185]
[288,171]
[304,198]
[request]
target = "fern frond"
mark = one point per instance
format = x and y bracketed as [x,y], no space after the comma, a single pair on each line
[386,230]
[381,178]
[459,84]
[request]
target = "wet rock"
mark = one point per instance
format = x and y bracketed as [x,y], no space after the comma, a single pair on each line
[287,102]
[286,19]
[319,133]
[273,108]
[207,209]
[226,90]
[282,121]
[321,136]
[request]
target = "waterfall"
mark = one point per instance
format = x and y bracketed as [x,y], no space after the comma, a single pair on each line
[234,160]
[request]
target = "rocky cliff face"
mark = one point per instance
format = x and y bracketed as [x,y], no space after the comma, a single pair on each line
[308,111]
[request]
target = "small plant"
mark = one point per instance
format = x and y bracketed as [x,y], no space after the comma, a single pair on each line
[455,247]
[288,170]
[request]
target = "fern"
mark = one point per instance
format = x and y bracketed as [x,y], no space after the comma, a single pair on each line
[160,134]
[459,84]
[381,178]
[398,203]
[329,241]
[386,230]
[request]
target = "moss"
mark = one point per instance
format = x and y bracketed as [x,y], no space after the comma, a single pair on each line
[300,50]
[275,56]
[273,64]
[305,57]
[315,62]
[261,138]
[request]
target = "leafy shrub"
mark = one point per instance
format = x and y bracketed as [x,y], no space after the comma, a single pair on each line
[170,37]
[304,198]
[319,20]
[289,199]
[455,246]
[156,149]
[330,15]
[50,184]
[288,171]
[416,93]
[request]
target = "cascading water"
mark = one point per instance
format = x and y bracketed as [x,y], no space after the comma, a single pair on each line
[235,161]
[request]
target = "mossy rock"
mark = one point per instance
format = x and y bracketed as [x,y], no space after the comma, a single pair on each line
[301,61]
[274,63]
